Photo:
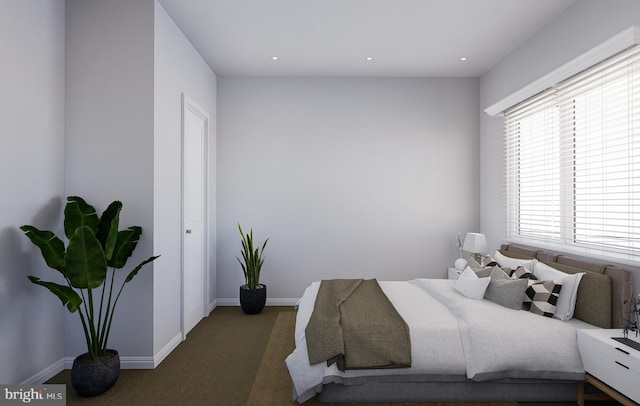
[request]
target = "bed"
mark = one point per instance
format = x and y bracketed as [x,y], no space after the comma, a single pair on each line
[465,349]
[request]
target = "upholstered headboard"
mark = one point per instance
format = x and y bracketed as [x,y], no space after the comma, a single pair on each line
[602,289]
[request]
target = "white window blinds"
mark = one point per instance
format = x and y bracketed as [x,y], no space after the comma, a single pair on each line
[573,162]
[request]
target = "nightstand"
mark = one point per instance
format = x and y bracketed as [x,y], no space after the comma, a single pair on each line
[611,366]
[453,273]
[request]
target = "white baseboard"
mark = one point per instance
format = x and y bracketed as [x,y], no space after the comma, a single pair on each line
[125,362]
[228,302]
[137,362]
[166,350]
[212,306]
[282,302]
[46,374]
[270,302]
[130,362]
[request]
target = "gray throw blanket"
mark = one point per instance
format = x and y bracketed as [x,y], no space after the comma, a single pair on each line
[355,325]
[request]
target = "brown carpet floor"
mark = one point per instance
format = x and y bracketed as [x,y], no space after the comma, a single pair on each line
[215,365]
[229,358]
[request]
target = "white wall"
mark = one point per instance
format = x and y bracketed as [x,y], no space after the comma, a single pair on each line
[110,145]
[348,177]
[178,68]
[32,49]
[581,27]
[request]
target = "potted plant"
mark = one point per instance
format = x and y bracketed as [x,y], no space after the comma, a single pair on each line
[94,245]
[253,294]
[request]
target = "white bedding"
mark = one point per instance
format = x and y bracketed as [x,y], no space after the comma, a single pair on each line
[444,327]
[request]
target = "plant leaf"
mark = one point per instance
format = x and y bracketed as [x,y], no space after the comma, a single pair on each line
[133,273]
[67,296]
[124,247]
[252,259]
[107,232]
[85,264]
[79,213]
[52,247]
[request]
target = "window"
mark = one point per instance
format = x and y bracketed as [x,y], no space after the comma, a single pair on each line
[573,162]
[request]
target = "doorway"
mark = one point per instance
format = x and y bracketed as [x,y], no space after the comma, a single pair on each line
[195,131]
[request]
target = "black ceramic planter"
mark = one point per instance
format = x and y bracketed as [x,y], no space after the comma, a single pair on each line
[91,377]
[252,301]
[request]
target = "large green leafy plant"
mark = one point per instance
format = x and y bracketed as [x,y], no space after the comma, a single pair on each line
[252,258]
[94,245]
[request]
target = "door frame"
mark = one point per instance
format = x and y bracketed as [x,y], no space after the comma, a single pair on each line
[188,105]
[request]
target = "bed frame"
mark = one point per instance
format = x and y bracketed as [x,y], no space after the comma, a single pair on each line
[602,290]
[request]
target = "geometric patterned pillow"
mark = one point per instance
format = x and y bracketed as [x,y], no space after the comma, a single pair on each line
[481,271]
[520,273]
[541,297]
[488,262]
[474,265]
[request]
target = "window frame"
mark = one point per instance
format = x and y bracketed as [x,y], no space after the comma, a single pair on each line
[568,238]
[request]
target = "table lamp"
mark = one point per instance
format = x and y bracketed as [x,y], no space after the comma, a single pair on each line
[476,244]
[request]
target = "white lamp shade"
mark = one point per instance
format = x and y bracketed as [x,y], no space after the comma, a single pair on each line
[475,243]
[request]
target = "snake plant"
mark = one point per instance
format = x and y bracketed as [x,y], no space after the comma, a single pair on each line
[252,259]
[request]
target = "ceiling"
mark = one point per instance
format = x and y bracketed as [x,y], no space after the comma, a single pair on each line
[404,38]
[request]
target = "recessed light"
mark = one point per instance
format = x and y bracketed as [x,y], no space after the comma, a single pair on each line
[464,58]
[369,58]
[274,58]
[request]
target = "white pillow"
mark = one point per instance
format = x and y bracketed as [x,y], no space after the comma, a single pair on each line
[567,299]
[470,285]
[508,262]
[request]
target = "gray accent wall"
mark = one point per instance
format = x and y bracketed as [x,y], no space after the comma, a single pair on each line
[348,177]
[109,144]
